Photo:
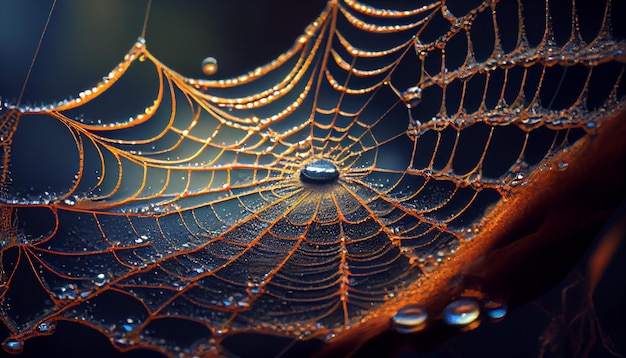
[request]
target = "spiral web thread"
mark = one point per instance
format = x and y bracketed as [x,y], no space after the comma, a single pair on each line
[193,210]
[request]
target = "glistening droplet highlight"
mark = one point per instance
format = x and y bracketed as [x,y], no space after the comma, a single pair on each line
[496,309]
[13,345]
[412,97]
[47,327]
[320,171]
[461,312]
[209,66]
[410,319]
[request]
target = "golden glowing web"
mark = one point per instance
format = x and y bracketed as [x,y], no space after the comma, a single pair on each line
[298,198]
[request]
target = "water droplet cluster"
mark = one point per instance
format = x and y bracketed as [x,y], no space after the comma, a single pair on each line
[293,200]
[463,313]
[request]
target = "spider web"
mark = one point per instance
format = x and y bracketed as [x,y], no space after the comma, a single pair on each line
[192,211]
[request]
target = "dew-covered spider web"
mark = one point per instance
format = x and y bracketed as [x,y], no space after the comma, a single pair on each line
[301,198]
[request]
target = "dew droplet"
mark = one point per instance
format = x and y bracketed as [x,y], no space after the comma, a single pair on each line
[562,165]
[461,312]
[13,345]
[410,319]
[209,66]
[100,280]
[65,293]
[496,309]
[221,331]
[412,97]
[123,342]
[126,327]
[319,172]
[47,327]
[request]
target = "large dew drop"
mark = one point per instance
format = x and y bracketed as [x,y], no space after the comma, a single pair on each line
[461,312]
[319,172]
[13,345]
[410,319]
[209,66]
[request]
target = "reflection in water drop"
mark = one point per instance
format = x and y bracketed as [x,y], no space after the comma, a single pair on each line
[100,280]
[319,172]
[412,97]
[410,319]
[496,309]
[47,327]
[461,312]
[13,346]
[209,66]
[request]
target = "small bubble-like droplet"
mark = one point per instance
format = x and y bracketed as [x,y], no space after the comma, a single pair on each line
[319,172]
[100,280]
[209,66]
[410,319]
[47,327]
[496,309]
[412,97]
[13,345]
[461,312]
